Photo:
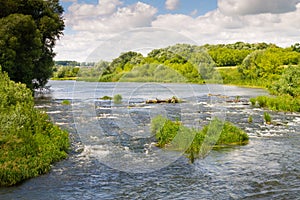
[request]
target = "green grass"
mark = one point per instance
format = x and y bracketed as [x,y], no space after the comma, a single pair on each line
[196,143]
[277,103]
[267,118]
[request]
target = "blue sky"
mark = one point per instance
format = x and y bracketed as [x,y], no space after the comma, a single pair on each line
[91,22]
[185,7]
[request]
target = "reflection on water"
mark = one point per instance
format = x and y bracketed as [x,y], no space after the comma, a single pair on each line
[267,168]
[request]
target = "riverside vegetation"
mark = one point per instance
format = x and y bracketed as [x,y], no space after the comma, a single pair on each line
[29,142]
[256,65]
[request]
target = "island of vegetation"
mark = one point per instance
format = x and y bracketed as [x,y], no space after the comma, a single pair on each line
[196,143]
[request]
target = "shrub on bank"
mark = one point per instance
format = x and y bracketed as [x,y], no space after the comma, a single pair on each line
[29,142]
[195,143]
[277,103]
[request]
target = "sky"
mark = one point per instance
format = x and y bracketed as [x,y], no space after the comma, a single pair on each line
[102,29]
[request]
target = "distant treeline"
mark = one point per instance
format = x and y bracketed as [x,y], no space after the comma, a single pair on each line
[191,63]
[73,63]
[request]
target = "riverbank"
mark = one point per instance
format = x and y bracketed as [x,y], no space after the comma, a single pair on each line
[29,142]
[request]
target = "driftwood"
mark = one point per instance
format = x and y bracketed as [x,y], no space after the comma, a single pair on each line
[172,100]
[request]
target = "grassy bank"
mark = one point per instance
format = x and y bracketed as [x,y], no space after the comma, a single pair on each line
[29,142]
[196,143]
[277,103]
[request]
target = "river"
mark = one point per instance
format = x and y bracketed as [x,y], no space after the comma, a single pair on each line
[111,155]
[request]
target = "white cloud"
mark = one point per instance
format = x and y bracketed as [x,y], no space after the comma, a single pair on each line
[107,17]
[248,7]
[87,11]
[216,27]
[172,4]
[93,24]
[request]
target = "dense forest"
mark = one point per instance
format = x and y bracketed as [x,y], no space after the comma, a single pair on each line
[256,64]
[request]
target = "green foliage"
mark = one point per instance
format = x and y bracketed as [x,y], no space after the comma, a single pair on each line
[66,102]
[29,142]
[289,82]
[179,63]
[28,31]
[94,73]
[66,72]
[125,62]
[228,57]
[277,103]
[175,136]
[267,118]
[67,63]
[18,35]
[250,119]
[296,47]
[106,98]
[267,64]
[241,45]
[117,99]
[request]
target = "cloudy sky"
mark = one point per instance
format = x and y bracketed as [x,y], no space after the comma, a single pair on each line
[115,26]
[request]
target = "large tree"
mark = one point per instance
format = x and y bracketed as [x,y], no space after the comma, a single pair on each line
[28,32]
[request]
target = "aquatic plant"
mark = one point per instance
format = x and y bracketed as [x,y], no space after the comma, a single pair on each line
[267,118]
[250,119]
[173,135]
[66,102]
[117,99]
[106,98]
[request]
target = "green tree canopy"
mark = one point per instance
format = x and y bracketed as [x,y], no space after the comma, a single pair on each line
[28,32]
[289,82]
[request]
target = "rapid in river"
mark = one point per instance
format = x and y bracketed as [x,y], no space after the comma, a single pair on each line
[113,155]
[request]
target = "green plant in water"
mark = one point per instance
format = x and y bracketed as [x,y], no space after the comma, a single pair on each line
[250,119]
[237,99]
[117,99]
[66,102]
[267,118]
[174,136]
[106,98]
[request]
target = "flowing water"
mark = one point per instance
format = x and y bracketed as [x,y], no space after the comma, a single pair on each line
[112,155]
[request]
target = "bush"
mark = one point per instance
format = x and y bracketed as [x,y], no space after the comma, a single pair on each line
[289,82]
[175,136]
[29,142]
